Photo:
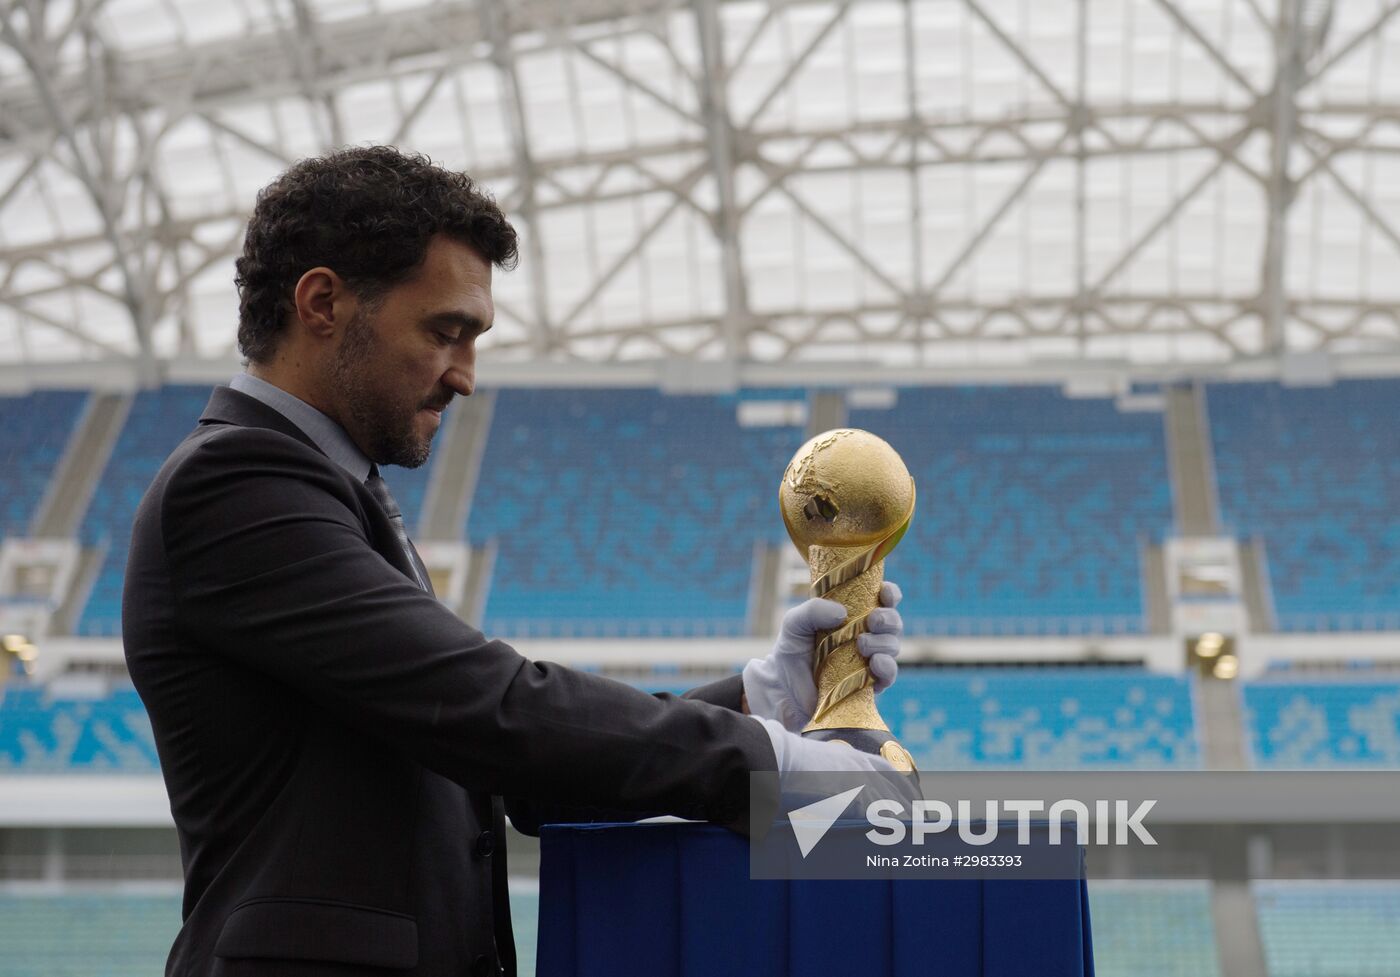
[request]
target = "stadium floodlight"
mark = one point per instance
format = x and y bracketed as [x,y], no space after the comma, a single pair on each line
[1209,644]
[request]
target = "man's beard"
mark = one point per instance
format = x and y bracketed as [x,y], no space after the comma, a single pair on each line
[385,424]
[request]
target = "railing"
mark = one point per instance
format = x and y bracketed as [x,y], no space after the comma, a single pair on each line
[1004,626]
[117,866]
[1340,621]
[1033,627]
[616,627]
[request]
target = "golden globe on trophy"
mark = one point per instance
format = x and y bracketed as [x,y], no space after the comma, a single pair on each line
[847,499]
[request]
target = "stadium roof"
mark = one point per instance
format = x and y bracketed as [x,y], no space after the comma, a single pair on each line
[927,185]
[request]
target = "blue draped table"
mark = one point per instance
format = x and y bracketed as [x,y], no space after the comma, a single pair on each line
[675,900]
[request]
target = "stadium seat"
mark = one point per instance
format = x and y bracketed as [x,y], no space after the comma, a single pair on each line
[1329,929]
[1315,473]
[1346,721]
[1153,929]
[34,430]
[1049,719]
[625,512]
[86,935]
[1032,508]
[41,734]
[159,419]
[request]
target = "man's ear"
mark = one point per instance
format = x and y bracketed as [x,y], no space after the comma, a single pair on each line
[323,303]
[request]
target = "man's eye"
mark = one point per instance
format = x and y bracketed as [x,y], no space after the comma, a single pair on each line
[446,339]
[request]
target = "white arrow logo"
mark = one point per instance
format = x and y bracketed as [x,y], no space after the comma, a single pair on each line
[811,823]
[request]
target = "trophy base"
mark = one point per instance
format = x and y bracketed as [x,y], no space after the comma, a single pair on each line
[877,741]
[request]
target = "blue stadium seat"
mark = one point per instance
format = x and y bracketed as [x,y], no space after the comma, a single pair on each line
[130,935]
[1032,508]
[86,935]
[625,512]
[159,420]
[1348,721]
[1153,929]
[1032,718]
[34,430]
[1049,719]
[40,734]
[1315,472]
[1329,929]
[525,921]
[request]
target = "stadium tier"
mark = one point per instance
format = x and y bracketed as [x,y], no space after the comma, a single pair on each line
[1035,718]
[41,734]
[159,419]
[1032,509]
[1343,722]
[636,513]
[625,512]
[115,934]
[1141,929]
[96,935]
[34,429]
[1153,929]
[1043,718]
[1329,929]
[525,922]
[1315,472]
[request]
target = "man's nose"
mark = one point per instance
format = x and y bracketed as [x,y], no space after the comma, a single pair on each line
[461,381]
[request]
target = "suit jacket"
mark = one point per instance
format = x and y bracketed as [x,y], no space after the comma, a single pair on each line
[335,742]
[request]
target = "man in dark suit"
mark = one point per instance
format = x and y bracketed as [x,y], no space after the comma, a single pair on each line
[335,742]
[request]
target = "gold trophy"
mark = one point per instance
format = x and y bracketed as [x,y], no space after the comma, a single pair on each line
[847,499]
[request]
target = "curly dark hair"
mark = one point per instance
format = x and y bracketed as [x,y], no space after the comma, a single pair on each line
[368,213]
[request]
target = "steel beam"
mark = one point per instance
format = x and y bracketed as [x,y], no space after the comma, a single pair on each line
[513,110]
[714,99]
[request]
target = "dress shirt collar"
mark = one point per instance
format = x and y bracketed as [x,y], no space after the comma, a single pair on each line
[329,436]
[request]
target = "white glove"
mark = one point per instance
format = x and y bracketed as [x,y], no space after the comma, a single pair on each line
[781,686]
[797,754]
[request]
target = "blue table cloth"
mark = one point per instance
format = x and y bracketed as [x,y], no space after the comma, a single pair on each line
[675,900]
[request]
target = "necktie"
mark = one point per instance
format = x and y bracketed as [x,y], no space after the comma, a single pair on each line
[380,491]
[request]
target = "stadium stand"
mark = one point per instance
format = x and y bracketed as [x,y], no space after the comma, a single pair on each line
[111,934]
[159,419]
[1153,929]
[86,935]
[625,512]
[40,734]
[1329,929]
[525,921]
[1315,472]
[34,429]
[1053,718]
[1032,508]
[603,506]
[1347,721]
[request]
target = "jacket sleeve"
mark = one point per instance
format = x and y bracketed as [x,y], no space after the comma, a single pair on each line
[528,816]
[726,692]
[272,566]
